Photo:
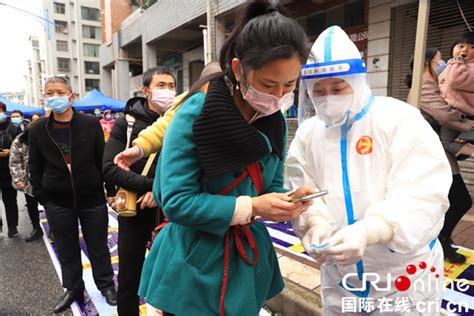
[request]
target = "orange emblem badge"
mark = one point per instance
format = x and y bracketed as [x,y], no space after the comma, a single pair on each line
[364,145]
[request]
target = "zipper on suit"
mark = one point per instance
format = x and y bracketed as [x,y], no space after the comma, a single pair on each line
[64,158]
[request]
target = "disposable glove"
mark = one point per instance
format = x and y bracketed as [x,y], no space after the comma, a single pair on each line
[319,232]
[348,245]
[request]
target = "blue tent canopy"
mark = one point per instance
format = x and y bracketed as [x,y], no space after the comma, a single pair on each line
[95,99]
[28,111]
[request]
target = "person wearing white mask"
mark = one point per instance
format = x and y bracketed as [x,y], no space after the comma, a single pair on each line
[159,88]
[220,165]
[388,181]
[65,164]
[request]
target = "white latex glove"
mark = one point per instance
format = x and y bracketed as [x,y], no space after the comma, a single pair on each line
[320,230]
[348,245]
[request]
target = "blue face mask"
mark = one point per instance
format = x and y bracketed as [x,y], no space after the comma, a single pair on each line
[58,104]
[441,65]
[3,117]
[16,120]
[108,117]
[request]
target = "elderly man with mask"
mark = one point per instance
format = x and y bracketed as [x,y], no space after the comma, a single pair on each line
[388,181]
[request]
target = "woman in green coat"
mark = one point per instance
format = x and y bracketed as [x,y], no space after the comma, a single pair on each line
[221,165]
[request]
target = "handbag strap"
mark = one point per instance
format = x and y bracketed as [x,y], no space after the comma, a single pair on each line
[148,164]
[130,122]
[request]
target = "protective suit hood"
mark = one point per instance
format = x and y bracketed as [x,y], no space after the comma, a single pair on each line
[334,55]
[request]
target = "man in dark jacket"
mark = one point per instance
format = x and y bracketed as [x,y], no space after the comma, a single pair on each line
[66,174]
[135,232]
[8,132]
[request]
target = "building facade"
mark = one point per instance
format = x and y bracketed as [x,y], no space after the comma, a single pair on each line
[35,74]
[16,97]
[170,33]
[72,44]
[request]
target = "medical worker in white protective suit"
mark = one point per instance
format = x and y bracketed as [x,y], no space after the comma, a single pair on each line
[388,181]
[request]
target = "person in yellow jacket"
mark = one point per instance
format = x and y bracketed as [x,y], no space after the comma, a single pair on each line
[150,140]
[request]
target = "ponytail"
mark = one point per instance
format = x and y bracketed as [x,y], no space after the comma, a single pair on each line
[263,33]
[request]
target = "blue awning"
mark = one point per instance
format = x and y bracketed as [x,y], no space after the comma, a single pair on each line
[95,99]
[28,111]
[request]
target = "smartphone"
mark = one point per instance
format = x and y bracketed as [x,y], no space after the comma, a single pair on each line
[311,196]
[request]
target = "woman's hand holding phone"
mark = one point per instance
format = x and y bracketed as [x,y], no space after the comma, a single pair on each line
[281,207]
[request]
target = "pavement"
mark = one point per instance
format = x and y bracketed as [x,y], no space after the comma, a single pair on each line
[29,284]
[464,232]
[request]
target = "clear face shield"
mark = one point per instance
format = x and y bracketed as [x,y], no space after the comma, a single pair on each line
[333,91]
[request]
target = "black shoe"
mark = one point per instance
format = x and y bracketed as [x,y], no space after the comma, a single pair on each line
[450,253]
[13,234]
[35,234]
[1,225]
[67,299]
[110,296]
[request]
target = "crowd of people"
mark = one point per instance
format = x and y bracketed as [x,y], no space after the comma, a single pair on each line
[189,174]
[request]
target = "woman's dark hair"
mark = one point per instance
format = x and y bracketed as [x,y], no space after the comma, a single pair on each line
[466,37]
[430,53]
[160,70]
[263,33]
[3,107]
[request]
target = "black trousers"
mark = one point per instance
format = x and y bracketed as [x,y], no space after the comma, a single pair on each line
[32,206]
[63,222]
[134,234]
[460,202]
[11,207]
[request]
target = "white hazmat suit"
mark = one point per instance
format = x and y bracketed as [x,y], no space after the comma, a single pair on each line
[388,180]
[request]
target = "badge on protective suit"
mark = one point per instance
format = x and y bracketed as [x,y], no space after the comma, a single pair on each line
[364,145]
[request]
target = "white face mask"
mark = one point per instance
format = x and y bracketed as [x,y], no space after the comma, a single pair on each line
[333,109]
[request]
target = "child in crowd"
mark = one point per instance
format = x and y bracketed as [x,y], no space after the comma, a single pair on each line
[456,83]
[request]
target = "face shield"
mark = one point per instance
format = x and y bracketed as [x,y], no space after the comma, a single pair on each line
[334,64]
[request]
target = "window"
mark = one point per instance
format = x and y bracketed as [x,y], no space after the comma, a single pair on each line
[91,50]
[59,8]
[63,64]
[61,46]
[92,67]
[91,14]
[92,84]
[61,26]
[91,32]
